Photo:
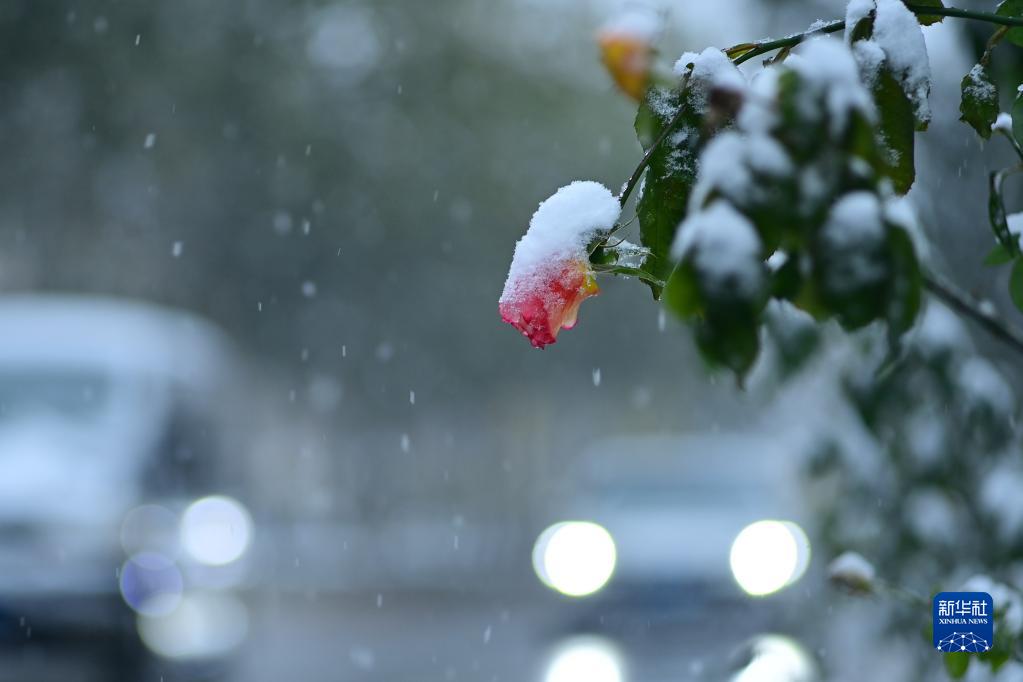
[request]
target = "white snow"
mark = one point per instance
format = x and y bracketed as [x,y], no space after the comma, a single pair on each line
[635,21]
[776,260]
[855,11]
[898,36]
[980,381]
[758,113]
[1000,498]
[940,331]
[930,513]
[724,245]
[852,570]
[1002,124]
[1015,222]
[729,162]
[558,231]
[979,86]
[828,66]
[712,66]
[854,219]
[855,225]
[927,437]
[869,56]
[631,255]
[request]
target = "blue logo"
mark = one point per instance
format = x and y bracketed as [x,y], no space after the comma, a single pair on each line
[964,621]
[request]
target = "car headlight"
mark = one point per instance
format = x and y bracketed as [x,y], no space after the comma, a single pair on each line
[576,558]
[769,555]
[216,530]
[593,659]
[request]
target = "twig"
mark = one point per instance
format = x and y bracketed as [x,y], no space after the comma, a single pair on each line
[967,306]
[744,52]
[989,17]
[645,161]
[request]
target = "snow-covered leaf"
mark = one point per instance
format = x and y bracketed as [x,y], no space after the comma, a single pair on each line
[979,104]
[673,166]
[896,128]
[669,177]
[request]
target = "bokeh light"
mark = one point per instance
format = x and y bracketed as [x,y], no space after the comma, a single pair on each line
[204,625]
[151,584]
[769,555]
[216,530]
[775,658]
[586,658]
[576,558]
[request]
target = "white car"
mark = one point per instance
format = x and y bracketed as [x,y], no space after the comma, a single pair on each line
[680,511]
[113,522]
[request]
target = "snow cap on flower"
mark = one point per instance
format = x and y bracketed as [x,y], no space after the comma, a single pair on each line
[626,48]
[550,274]
[852,572]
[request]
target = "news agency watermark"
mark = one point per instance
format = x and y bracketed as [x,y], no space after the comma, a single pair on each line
[964,622]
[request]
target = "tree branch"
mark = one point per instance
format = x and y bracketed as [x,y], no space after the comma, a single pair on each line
[953,297]
[989,17]
[967,306]
[743,52]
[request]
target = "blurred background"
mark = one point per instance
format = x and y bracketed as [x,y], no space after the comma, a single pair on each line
[259,419]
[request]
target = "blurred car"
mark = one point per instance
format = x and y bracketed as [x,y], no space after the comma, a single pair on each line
[665,537]
[113,541]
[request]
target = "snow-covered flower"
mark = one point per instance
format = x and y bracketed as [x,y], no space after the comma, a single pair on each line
[626,48]
[551,305]
[550,274]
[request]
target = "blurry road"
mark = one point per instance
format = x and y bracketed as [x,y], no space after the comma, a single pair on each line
[443,638]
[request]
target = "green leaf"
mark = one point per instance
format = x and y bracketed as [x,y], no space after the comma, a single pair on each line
[979,104]
[927,19]
[996,657]
[1016,283]
[1017,118]
[999,255]
[731,341]
[956,663]
[682,292]
[669,176]
[996,214]
[864,28]
[796,336]
[896,129]
[1012,8]
[907,284]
